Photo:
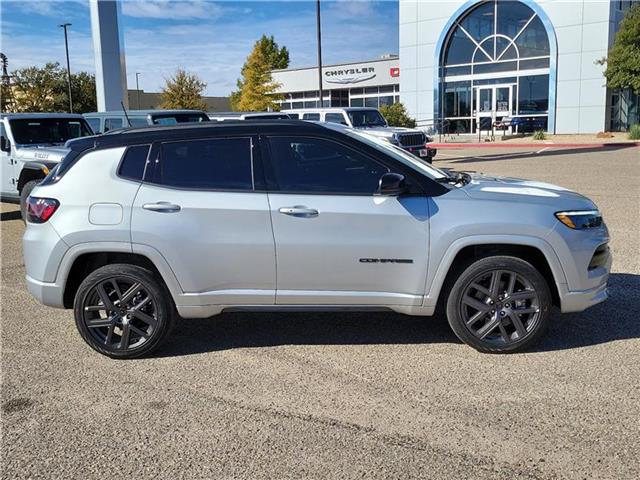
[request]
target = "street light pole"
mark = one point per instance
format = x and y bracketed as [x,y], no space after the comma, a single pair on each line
[66,47]
[319,52]
[138,90]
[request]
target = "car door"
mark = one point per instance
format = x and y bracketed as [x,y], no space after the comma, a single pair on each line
[200,210]
[8,167]
[337,242]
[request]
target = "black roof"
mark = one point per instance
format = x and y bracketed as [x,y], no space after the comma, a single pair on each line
[167,133]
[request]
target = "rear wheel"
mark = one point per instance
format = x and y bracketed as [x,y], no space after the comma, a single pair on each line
[24,195]
[123,311]
[499,304]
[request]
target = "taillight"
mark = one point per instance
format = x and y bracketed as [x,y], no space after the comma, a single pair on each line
[39,210]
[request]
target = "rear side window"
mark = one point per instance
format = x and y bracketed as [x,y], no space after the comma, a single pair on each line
[133,162]
[138,121]
[212,164]
[311,116]
[335,118]
[94,123]
[112,123]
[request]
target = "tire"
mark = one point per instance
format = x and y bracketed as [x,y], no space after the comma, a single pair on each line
[133,329]
[24,195]
[484,315]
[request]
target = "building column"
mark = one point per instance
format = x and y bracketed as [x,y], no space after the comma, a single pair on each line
[108,50]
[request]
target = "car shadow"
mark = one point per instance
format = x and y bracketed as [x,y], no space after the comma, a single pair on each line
[613,320]
[13,215]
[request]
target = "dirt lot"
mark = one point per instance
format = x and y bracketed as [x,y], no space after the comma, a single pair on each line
[339,395]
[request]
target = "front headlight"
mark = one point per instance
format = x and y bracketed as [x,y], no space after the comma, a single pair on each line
[580,219]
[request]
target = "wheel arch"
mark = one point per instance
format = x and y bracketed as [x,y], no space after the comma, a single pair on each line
[31,171]
[466,250]
[80,263]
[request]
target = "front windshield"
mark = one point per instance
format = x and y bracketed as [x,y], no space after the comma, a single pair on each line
[398,153]
[366,118]
[48,131]
[173,118]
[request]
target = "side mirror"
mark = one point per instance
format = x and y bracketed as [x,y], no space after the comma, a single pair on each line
[391,184]
[5,144]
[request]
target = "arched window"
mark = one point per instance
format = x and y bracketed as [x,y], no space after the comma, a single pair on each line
[495,64]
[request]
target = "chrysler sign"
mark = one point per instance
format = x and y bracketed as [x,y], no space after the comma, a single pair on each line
[350,75]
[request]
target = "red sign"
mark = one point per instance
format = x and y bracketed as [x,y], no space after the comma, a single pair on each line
[395,71]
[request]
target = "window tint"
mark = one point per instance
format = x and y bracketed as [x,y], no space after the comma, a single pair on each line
[223,163]
[133,163]
[335,118]
[138,121]
[112,123]
[311,116]
[94,123]
[307,165]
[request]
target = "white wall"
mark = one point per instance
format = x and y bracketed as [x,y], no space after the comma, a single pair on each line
[583,30]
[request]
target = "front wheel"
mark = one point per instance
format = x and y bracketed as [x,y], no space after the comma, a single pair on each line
[123,311]
[499,304]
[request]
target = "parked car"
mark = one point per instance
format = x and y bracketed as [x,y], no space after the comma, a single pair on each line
[222,116]
[102,122]
[30,146]
[521,124]
[131,227]
[371,121]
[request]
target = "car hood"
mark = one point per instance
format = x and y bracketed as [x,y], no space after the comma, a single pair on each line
[40,154]
[387,132]
[486,187]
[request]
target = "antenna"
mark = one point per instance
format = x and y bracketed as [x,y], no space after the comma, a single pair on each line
[125,113]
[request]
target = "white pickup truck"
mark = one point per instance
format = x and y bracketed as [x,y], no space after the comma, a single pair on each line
[30,145]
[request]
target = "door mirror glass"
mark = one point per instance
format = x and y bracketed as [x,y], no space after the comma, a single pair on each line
[5,144]
[391,184]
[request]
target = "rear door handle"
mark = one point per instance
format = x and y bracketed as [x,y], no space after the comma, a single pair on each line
[162,207]
[299,211]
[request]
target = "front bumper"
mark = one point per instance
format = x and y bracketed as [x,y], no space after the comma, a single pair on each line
[579,301]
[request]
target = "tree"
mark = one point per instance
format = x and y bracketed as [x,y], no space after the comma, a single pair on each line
[266,55]
[397,115]
[623,62]
[83,90]
[183,90]
[38,89]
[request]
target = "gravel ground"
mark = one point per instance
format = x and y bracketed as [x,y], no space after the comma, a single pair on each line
[339,395]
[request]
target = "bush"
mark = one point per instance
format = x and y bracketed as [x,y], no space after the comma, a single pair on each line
[634,132]
[397,116]
[539,135]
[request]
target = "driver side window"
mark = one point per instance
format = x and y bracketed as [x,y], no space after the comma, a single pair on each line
[317,165]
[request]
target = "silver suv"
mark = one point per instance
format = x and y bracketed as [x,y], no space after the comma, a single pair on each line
[285,215]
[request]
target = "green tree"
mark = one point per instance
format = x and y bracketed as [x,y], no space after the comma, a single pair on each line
[397,115]
[271,55]
[623,62]
[183,90]
[38,89]
[83,90]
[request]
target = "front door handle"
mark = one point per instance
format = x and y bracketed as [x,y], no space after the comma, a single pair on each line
[299,211]
[162,207]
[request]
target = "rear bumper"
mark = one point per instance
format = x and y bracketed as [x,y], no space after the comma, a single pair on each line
[50,294]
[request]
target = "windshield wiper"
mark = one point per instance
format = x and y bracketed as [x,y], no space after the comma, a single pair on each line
[455,178]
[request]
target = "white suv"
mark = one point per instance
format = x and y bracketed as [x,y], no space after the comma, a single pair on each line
[289,215]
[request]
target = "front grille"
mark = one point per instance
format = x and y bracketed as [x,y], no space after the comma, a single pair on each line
[600,256]
[412,139]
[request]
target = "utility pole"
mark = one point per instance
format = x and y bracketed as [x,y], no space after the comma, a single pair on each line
[319,52]
[66,47]
[138,90]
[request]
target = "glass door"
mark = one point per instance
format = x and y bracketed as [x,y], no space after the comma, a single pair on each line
[492,103]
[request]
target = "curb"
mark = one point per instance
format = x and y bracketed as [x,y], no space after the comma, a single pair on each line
[534,145]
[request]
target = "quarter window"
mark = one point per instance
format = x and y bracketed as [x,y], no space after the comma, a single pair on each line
[212,164]
[133,162]
[311,116]
[112,123]
[315,165]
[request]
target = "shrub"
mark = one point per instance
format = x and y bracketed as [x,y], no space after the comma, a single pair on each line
[634,132]
[539,135]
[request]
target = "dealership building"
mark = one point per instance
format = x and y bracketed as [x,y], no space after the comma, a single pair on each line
[362,84]
[465,62]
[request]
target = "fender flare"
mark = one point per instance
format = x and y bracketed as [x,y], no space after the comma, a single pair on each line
[435,282]
[34,166]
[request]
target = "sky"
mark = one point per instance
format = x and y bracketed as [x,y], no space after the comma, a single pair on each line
[208,38]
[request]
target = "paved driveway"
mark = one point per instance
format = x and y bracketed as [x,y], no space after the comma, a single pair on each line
[339,395]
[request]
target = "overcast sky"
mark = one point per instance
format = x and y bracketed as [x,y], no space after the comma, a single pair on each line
[209,38]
